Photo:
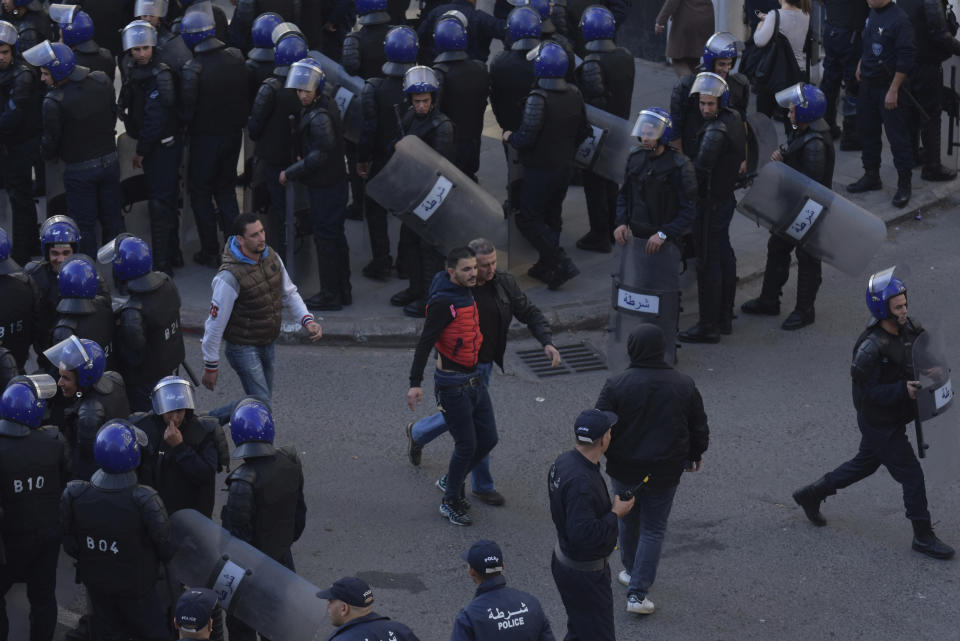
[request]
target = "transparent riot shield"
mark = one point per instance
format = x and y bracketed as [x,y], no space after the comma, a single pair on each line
[762,141]
[937,436]
[807,214]
[646,289]
[437,200]
[252,587]
[345,91]
[605,151]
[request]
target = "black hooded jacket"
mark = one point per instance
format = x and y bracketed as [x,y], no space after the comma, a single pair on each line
[661,423]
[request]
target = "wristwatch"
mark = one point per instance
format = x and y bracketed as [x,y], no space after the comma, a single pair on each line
[661,235]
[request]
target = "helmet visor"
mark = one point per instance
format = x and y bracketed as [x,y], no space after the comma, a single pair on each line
[419,79]
[879,281]
[710,84]
[63,13]
[108,252]
[69,354]
[723,42]
[649,125]
[208,22]
[67,232]
[791,96]
[43,385]
[456,15]
[139,33]
[303,76]
[155,8]
[40,55]
[8,33]
[533,53]
[283,29]
[171,395]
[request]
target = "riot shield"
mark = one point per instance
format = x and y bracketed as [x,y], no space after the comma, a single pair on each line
[251,586]
[345,90]
[646,289]
[605,151]
[437,200]
[937,440]
[806,214]
[762,141]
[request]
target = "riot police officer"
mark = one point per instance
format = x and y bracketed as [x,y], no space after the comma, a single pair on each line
[720,152]
[182,458]
[30,19]
[379,132]
[810,151]
[149,343]
[260,57]
[265,505]
[884,394]
[214,95]
[79,116]
[170,49]
[221,24]
[322,171]
[935,44]
[888,56]
[841,54]
[95,395]
[109,17]
[76,31]
[552,31]
[246,13]
[119,533]
[482,28]
[81,311]
[19,317]
[20,99]
[606,80]
[34,468]
[464,87]
[553,126]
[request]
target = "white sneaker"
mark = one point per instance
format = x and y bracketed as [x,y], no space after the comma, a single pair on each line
[636,605]
[624,578]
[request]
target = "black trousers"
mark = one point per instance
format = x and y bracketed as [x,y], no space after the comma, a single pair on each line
[841,53]
[32,560]
[16,163]
[872,115]
[588,600]
[117,618]
[540,209]
[926,85]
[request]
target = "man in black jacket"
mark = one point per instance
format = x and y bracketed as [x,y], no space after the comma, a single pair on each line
[499,300]
[661,431]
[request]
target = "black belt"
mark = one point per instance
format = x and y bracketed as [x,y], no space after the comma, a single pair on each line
[473,381]
[584,566]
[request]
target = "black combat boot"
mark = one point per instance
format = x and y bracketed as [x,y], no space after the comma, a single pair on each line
[328,262]
[926,542]
[870,181]
[563,271]
[705,331]
[379,268]
[902,197]
[810,498]
[850,139]
[762,306]
[807,285]
[937,173]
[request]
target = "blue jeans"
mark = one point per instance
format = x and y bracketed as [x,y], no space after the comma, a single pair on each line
[469,417]
[641,534]
[94,193]
[430,427]
[254,365]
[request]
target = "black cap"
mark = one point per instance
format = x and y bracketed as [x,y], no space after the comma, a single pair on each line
[194,608]
[593,424]
[484,557]
[351,590]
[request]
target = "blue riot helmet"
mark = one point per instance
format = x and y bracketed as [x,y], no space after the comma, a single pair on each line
[7,264]
[458,16]
[449,40]
[711,84]
[721,45]
[131,257]
[551,61]
[288,51]
[8,34]
[117,448]
[372,11]
[809,101]
[542,7]
[78,278]
[138,33]
[25,400]
[306,75]
[80,355]
[654,122]
[881,287]
[55,57]
[76,26]
[400,47]
[152,8]
[285,30]
[251,428]
[58,230]
[172,393]
[523,28]
[262,30]
[598,26]
[197,25]
[420,79]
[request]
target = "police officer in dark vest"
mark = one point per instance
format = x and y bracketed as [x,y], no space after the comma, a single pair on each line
[109,17]
[245,17]
[884,394]
[81,312]
[30,19]
[269,126]
[20,99]
[148,341]
[809,150]
[215,100]
[350,607]
[841,54]
[522,617]
[606,80]
[119,533]
[936,43]
[553,126]
[482,29]
[424,120]
[321,170]
[171,50]
[20,312]
[265,505]
[379,132]
[888,55]
[34,468]
[721,149]
[79,117]
[182,458]
[76,31]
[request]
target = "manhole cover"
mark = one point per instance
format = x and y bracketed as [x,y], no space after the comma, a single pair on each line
[577,358]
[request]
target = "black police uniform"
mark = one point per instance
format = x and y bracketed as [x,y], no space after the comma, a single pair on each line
[34,468]
[246,12]
[148,339]
[482,29]
[685,107]
[373,627]
[935,44]
[20,128]
[33,25]
[171,50]
[119,533]
[19,315]
[148,107]
[260,66]
[95,58]
[586,535]
[86,318]
[105,400]
[606,80]
[43,277]
[841,53]
[659,193]
[573,11]
[549,33]
[500,613]
[109,18]
[464,87]
[511,79]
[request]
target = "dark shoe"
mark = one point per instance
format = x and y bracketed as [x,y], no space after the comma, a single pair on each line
[798,318]
[810,497]
[937,173]
[207,260]
[591,243]
[490,498]
[761,307]
[324,302]
[354,212]
[700,333]
[379,269]
[403,298]
[541,271]
[416,309]
[564,272]
[870,181]
[926,542]
[462,502]
[454,513]
[414,451]
[904,191]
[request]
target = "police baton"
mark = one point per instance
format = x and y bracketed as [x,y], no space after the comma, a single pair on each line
[924,116]
[189,370]
[629,493]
